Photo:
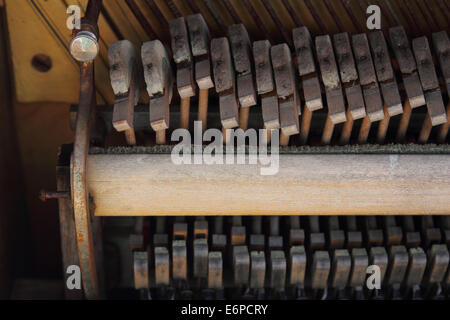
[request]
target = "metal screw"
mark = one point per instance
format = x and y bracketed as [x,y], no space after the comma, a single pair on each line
[84,46]
[45,195]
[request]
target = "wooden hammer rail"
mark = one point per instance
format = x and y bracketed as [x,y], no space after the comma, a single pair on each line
[305,184]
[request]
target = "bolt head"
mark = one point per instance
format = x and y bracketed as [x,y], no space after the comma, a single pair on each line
[84,47]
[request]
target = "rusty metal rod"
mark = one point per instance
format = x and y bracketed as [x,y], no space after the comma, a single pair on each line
[93,11]
[80,196]
[45,195]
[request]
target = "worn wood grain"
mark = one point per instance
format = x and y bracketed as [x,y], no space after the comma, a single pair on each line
[139,184]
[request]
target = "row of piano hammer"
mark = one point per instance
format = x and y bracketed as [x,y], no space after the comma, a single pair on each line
[359,68]
[293,259]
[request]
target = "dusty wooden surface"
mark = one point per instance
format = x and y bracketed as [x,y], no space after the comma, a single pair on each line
[142,184]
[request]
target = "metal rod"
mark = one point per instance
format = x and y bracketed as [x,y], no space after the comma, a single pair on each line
[93,11]
[80,195]
[45,195]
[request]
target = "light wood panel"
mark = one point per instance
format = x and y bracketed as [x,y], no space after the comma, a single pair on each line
[305,184]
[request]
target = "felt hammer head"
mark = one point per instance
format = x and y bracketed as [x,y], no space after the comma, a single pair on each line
[122,58]
[156,68]
[199,34]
